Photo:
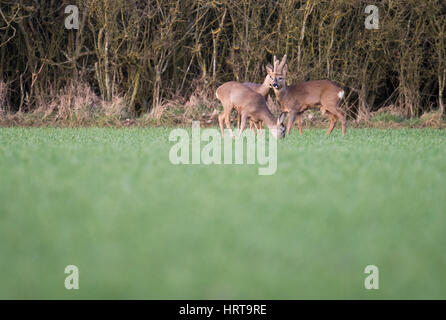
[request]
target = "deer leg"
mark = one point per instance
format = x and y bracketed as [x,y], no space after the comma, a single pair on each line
[228,122]
[220,122]
[259,127]
[341,117]
[299,122]
[242,124]
[291,118]
[251,125]
[333,120]
[238,120]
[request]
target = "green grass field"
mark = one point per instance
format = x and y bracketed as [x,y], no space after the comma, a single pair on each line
[110,202]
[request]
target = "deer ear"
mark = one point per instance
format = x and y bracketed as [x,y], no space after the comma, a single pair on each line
[269,68]
[281,118]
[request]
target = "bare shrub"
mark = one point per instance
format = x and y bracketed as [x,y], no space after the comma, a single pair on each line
[77,102]
[74,101]
[433,119]
[202,104]
[392,110]
[166,113]
[202,94]
[3,97]
[117,107]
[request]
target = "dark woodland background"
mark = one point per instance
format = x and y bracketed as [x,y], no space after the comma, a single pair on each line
[153,59]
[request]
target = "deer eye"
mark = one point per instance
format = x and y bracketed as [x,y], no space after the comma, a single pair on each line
[280,78]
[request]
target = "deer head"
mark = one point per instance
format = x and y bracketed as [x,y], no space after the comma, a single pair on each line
[278,130]
[277,73]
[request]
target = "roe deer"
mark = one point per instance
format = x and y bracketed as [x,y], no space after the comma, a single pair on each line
[249,104]
[262,89]
[297,98]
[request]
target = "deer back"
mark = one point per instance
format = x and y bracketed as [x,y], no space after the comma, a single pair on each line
[311,93]
[244,99]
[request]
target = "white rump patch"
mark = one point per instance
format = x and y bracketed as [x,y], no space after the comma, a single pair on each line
[341,94]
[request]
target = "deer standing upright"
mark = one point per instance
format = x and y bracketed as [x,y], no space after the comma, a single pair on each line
[248,104]
[297,98]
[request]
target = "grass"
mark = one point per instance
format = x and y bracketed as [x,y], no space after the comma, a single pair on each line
[110,202]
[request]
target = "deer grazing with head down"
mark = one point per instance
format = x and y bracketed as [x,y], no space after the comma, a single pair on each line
[248,104]
[297,98]
[263,90]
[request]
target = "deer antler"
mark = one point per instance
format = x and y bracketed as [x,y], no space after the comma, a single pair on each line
[282,63]
[275,64]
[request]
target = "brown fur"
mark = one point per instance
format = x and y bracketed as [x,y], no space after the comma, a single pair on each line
[248,104]
[297,98]
[262,89]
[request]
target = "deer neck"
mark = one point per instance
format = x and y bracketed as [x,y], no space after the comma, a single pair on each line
[264,89]
[281,95]
[268,118]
